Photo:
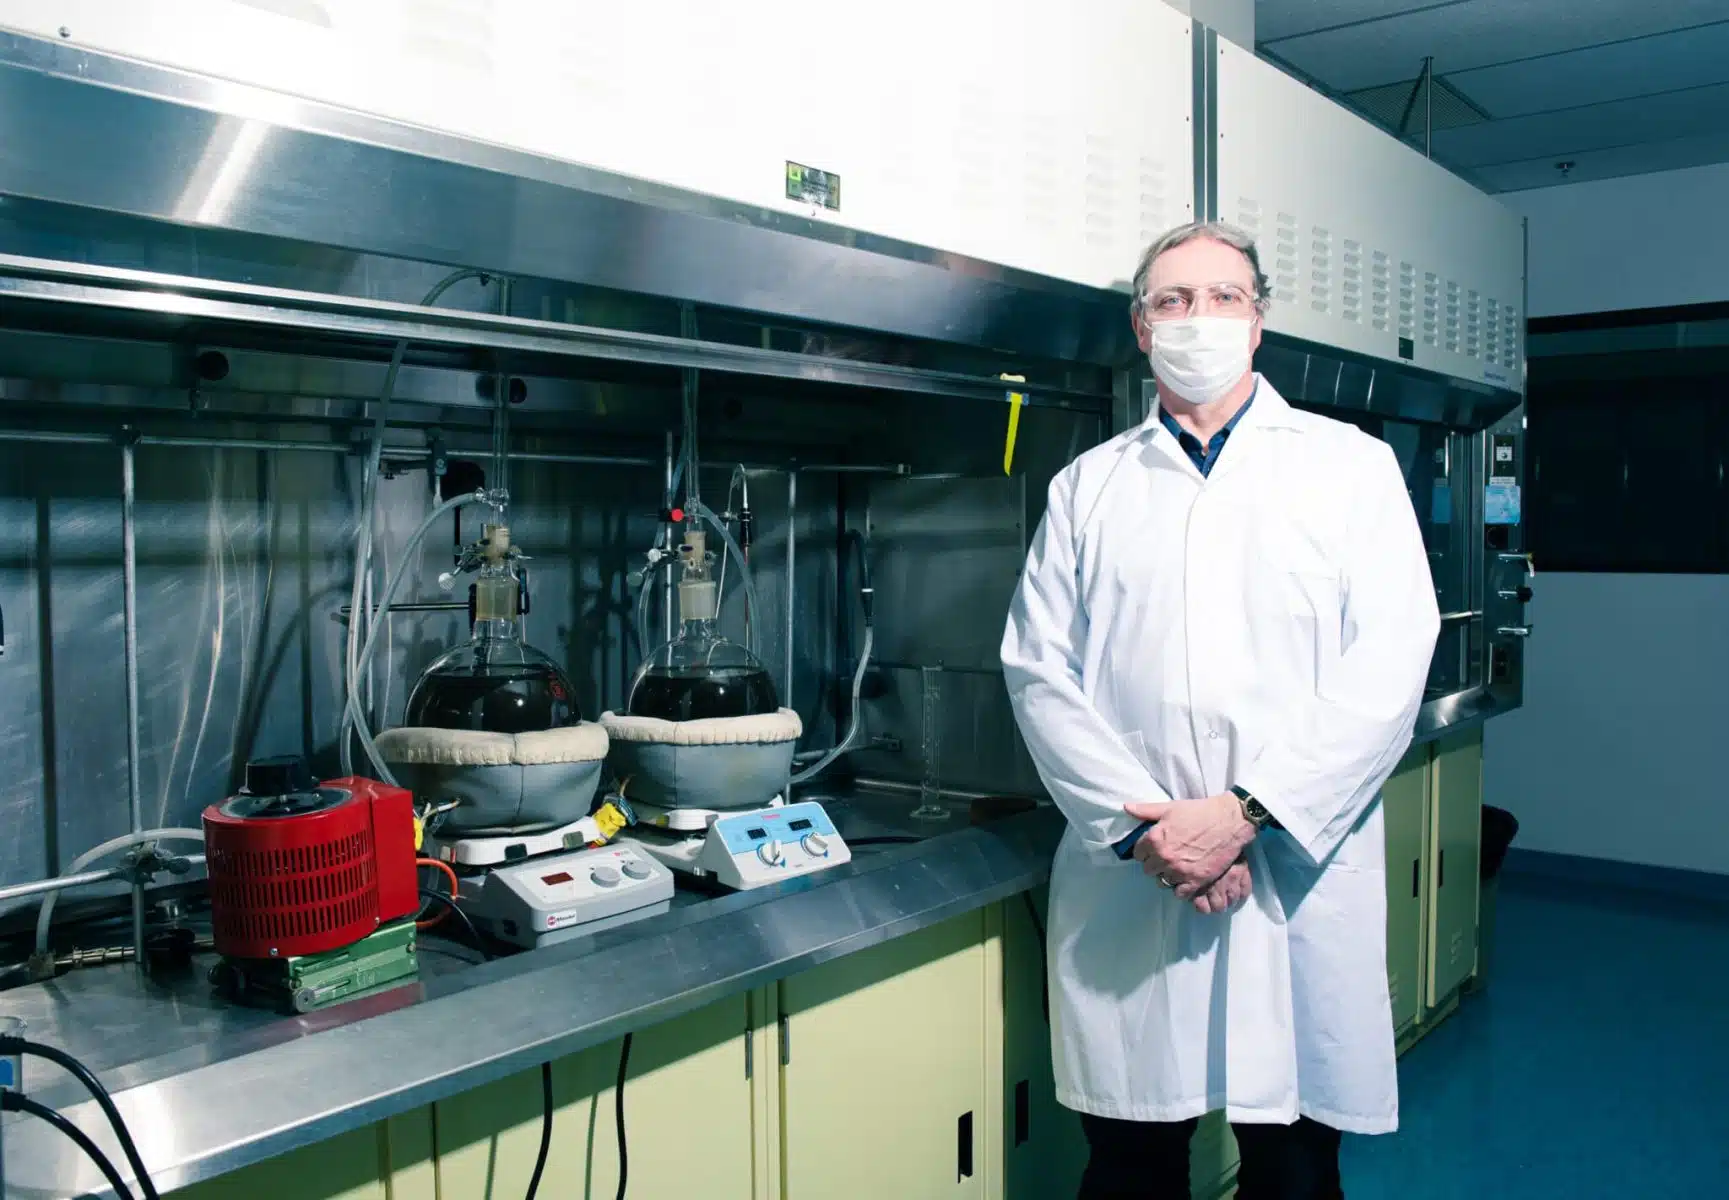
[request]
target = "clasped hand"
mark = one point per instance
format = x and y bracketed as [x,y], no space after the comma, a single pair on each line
[1197,847]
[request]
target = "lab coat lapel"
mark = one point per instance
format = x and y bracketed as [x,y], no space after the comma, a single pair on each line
[1265,419]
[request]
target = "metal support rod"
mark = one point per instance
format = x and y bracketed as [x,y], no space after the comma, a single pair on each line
[346,610]
[129,600]
[501,405]
[1428,104]
[419,456]
[584,460]
[264,444]
[666,581]
[791,588]
[63,883]
[45,435]
[60,883]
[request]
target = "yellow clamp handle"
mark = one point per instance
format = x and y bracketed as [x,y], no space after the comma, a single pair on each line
[1016,401]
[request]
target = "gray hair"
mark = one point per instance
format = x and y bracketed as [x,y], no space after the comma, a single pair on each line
[1212,231]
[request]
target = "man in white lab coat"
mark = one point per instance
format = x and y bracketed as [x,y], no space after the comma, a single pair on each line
[1216,656]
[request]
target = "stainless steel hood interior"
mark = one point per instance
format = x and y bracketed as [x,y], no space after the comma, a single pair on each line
[111,139]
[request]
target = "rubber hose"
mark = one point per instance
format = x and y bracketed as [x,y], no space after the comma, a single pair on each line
[45,914]
[358,718]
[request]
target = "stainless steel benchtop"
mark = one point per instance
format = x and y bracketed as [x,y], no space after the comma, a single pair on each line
[207,1088]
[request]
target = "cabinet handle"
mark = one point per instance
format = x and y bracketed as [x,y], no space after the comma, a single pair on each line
[1416,875]
[785,1041]
[964,1146]
[1023,1112]
[1440,868]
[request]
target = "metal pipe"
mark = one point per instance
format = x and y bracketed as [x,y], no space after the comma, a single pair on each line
[264,444]
[129,600]
[666,581]
[44,435]
[586,460]
[791,588]
[409,455]
[414,606]
[1428,104]
[62,883]
[19,891]
[501,405]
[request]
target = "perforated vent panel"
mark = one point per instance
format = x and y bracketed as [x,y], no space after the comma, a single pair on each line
[1369,247]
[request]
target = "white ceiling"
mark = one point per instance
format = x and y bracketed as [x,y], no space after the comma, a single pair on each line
[1614,87]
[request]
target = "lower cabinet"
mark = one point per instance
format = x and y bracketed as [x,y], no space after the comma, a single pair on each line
[688,1115]
[1044,1150]
[884,1069]
[1456,833]
[1405,809]
[392,1160]
[1433,809]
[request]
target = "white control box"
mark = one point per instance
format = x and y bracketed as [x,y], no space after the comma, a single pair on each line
[541,901]
[754,849]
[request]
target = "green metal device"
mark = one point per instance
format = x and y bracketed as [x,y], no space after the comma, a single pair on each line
[313,981]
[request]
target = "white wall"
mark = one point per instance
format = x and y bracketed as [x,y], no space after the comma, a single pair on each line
[1645,241]
[1619,751]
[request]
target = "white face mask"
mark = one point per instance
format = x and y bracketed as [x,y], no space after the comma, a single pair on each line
[1200,358]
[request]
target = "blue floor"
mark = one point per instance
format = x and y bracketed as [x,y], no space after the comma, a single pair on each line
[1596,1063]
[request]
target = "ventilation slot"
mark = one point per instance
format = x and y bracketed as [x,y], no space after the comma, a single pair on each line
[1249,216]
[1431,309]
[1473,325]
[1510,338]
[1285,259]
[1450,321]
[1351,281]
[1155,217]
[1320,270]
[1407,301]
[1101,193]
[1380,291]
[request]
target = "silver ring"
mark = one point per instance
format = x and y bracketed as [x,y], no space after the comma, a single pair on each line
[1163,882]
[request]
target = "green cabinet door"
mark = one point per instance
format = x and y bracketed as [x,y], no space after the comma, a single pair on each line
[884,1068]
[1043,1146]
[388,1161]
[687,1117]
[1405,808]
[1456,835]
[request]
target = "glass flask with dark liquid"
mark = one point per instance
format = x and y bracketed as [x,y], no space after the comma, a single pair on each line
[494,682]
[700,675]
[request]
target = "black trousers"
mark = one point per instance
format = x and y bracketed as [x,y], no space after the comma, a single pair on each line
[1135,1160]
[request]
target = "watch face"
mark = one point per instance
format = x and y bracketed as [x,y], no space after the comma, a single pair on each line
[1255,811]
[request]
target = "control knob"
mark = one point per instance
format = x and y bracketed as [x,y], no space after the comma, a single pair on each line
[770,853]
[816,845]
[636,870]
[604,877]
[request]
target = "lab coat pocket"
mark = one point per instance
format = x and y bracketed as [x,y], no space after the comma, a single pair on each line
[1313,594]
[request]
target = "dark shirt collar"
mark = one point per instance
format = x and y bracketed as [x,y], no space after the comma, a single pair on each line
[1205,457]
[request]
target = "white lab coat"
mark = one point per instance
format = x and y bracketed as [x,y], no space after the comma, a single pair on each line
[1269,626]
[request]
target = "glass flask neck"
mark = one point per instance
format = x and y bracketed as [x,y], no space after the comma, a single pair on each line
[497,593]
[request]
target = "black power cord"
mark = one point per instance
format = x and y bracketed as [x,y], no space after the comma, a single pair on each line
[449,902]
[545,1128]
[11,1045]
[618,1097]
[16,1102]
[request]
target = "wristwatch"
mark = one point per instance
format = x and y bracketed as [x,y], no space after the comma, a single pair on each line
[1254,812]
